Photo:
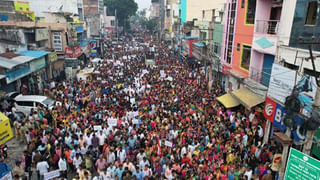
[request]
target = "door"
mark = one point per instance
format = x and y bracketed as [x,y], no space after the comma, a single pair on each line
[266,69]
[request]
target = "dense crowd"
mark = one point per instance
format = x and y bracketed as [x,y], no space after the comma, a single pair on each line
[129,120]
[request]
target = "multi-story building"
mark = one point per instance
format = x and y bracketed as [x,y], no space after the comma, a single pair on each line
[93,15]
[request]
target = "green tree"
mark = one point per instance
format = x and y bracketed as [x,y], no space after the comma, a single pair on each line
[125,9]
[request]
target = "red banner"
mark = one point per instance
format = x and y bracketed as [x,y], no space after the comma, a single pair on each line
[269,109]
[77,51]
[69,52]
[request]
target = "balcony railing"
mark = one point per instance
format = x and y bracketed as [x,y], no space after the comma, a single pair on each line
[267,26]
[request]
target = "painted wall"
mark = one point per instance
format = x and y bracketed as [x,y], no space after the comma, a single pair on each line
[217,36]
[300,29]
[243,36]
[263,9]
[195,7]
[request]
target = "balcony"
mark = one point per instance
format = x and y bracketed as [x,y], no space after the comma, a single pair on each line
[270,27]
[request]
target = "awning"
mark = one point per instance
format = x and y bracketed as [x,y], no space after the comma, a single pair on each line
[247,98]
[228,101]
[8,63]
[34,54]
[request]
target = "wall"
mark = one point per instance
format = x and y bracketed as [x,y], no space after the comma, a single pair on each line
[263,9]
[40,6]
[300,29]
[256,65]
[243,36]
[217,36]
[195,8]
[286,20]
[288,54]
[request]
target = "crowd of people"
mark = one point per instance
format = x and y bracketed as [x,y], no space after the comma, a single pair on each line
[130,120]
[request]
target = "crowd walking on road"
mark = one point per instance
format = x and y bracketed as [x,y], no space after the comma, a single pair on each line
[132,120]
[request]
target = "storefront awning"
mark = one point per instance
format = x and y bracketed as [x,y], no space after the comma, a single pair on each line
[7,63]
[228,101]
[247,98]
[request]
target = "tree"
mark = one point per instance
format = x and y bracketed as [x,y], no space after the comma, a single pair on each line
[125,9]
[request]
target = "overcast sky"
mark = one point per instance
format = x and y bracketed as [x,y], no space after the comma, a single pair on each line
[143,4]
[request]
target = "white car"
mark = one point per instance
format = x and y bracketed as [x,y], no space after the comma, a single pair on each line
[24,103]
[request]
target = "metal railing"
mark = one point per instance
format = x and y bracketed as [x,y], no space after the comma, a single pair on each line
[260,76]
[267,26]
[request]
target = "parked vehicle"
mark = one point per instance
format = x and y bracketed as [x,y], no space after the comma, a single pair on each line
[24,103]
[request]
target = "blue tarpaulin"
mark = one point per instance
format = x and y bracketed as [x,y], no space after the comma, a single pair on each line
[35,54]
[199,44]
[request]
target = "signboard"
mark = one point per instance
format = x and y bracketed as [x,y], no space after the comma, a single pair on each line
[51,174]
[269,109]
[97,128]
[69,52]
[37,64]
[77,51]
[42,34]
[112,122]
[301,166]
[17,73]
[275,113]
[168,143]
[282,82]
[53,57]
[71,62]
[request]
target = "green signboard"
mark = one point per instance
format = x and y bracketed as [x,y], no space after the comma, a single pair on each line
[301,167]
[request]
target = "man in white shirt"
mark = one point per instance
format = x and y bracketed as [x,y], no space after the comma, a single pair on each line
[42,167]
[143,163]
[101,138]
[63,166]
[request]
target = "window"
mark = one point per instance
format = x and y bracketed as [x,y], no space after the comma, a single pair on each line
[203,14]
[112,22]
[25,103]
[203,36]
[251,11]
[57,41]
[216,48]
[245,58]
[311,17]
[238,46]
[242,4]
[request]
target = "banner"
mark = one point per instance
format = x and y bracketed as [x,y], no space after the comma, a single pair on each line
[301,166]
[269,109]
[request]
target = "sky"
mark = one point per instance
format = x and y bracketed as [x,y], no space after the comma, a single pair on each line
[143,4]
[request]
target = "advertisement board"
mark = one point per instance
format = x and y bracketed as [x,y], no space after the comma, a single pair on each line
[37,64]
[42,34]
[282,82]
[301,166]
[275,113]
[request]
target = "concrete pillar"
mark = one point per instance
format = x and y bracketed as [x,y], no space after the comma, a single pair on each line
[267,132]
[285,153]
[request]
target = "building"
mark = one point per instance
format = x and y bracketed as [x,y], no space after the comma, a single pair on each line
[109,24]
[93,15]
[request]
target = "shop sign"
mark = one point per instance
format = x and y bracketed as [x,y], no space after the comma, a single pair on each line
[275,113]
[77,51]
[71,62]
[269,109]
[53,57]
[69,52]
[42,34]
[37,64]
[301,166]
[17,73]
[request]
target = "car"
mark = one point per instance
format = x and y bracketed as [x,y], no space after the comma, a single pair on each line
[24,103]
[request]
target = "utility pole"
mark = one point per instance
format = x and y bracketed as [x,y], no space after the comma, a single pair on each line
[161,18]
[117,31]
